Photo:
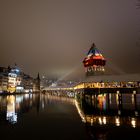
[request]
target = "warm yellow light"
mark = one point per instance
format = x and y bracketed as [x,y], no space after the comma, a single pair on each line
[133,122]
[104,120]
[100,121]
[117,121]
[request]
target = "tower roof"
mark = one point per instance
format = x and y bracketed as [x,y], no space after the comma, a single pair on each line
[38,76]
[94,51]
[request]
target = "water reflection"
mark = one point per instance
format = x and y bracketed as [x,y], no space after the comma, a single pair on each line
[117,121]
[101,102]
[11,115]
[110,112]
[133,122]
[13,106]
[106,114]
[101,114]
[82,115]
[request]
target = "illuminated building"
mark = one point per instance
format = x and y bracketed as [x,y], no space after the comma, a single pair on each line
[94,62]
[15,84]
[28,83]
[19,79]
[3,79]
[11,82]
[15,80]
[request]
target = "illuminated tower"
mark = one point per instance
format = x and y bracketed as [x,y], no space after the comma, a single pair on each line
[94,62]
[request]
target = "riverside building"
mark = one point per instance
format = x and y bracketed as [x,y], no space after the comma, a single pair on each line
[14,80]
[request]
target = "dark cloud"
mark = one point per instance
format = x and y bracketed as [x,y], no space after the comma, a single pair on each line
[54,35]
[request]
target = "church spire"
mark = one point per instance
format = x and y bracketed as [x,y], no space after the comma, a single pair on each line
[38,76]
[38,82]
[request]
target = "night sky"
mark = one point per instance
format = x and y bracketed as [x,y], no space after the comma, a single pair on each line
[53,36]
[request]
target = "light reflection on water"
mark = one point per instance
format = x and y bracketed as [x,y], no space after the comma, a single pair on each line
[13,105]
[102,113]
[108,120]
[108,111]
[11,115]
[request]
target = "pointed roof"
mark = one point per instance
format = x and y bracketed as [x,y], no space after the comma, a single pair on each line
[38,76]
[94,51]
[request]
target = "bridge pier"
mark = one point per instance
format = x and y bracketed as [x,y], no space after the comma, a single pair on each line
[95,100]
[108,100]
[120,106]
[134,101]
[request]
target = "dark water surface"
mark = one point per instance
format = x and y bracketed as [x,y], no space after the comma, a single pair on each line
[106,118]
[45,117]
[38,116]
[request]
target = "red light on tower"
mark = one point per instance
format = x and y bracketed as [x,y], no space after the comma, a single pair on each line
[94,62]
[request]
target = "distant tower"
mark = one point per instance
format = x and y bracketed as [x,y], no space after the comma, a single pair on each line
[94,62]
[9,68]
[38,82]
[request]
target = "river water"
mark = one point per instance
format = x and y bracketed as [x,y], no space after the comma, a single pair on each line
[47,117]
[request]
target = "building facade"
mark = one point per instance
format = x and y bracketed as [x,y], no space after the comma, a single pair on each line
[14,80]
[3,79]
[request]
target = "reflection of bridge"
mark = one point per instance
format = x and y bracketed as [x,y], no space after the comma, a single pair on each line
[106,119]
[60,99]
[61,93]
[92,94]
